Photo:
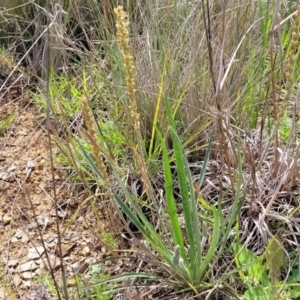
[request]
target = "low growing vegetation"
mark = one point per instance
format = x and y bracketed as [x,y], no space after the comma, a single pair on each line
[180,119]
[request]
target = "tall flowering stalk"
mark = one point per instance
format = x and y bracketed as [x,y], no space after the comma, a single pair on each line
[91,135]
[123,42]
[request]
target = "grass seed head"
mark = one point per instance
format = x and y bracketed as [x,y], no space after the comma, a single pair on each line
[93,139]
[123,42]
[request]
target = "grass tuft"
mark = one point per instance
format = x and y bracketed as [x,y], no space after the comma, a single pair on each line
[188,140]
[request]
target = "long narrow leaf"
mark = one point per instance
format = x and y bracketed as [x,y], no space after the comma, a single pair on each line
[134,219]
[123,277]
[171,205]
[134,213]
[90,162]
[157,107]
[204,167]
[142,223]
[188,198]
[236,206]
[213,244]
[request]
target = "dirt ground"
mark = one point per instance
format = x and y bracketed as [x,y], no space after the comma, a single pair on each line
[27,208]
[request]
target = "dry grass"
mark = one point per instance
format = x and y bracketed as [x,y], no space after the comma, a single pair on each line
[230,71]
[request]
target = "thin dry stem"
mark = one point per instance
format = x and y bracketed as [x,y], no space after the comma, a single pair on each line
[92,137]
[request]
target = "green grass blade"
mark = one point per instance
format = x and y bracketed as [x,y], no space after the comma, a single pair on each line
[4,124]
[188,199]
[157,107]
[144,226]
[171,205]
[123,277]
[90,161]
[133,218]
[204,167]
[134,213]
[213,244]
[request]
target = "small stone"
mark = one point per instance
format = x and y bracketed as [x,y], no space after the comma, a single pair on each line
[41,221]
[14,240]
[31,225]
[7,176]
[17,280]
[34,253]
[68,236]
[25,238]
[87,240]
[75,238]
[90,260]
[51,238]
[6,219]
[12,262]
[38,261]
[54,263]
[75,265]
[3,175]
[65,249]
[80,219]
[86,251]
[81,268]
[50,245]
[60,214]
[27,275]
[11,178]
[39,272]
[67,259]
[72,257]
[29,266]
[18,233]
[27,283]
[11,168]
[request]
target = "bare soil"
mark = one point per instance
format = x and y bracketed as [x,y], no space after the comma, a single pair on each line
[27,209]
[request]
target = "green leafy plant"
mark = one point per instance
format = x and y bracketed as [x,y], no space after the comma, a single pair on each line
[65,97]
[261,275]
[45,279]
[184,250]
[98,292]
[149,107]
[6,122]
[95,272]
